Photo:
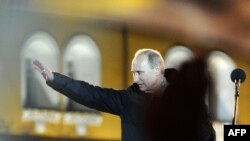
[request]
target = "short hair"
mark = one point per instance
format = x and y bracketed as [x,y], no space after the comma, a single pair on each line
[154,58]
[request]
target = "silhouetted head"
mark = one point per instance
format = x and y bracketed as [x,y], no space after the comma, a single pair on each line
[181,114]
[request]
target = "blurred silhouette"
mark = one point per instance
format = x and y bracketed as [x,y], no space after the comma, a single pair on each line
[181,113]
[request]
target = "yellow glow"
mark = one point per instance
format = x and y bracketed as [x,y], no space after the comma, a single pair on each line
[93,8]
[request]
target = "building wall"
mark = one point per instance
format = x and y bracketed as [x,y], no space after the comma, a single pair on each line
[17,26]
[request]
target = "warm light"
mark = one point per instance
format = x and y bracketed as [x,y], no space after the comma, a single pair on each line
[99,8]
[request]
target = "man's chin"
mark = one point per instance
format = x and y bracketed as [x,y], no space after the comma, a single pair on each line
[144,90]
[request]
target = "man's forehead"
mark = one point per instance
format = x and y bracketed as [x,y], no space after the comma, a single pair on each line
[140,58]
[140,61]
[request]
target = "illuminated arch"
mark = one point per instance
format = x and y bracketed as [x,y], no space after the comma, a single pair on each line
[177,55]
[82,61]
[222,91]
[34,92]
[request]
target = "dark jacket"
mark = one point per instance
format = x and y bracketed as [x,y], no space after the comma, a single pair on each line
[129,104]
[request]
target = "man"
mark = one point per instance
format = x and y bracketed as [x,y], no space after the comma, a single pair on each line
[149,81]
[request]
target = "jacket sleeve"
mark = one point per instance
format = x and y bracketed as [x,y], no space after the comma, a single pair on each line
[102,99]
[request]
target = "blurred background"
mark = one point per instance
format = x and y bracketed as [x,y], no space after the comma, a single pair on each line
[95,41]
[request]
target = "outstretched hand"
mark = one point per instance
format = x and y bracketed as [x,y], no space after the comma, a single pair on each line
[44,70]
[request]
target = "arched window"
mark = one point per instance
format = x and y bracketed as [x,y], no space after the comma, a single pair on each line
[40,103]
[222,91]
[82,61]
[35,94]
[177,55]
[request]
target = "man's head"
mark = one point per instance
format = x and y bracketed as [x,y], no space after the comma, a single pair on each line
[148,70]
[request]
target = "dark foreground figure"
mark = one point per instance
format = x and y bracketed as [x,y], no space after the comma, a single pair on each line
[181,113]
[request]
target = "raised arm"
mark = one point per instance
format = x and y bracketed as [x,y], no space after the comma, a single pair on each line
[102,99]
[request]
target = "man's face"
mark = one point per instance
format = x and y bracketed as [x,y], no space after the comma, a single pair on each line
[144,76]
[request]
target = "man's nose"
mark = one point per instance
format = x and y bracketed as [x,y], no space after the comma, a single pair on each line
[136,78]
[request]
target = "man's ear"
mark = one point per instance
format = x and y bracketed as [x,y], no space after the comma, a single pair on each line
[157,69]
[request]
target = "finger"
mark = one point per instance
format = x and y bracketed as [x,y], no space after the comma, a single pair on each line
[39,65]
[38,69]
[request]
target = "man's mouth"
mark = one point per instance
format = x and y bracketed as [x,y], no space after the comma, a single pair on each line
[140,85]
